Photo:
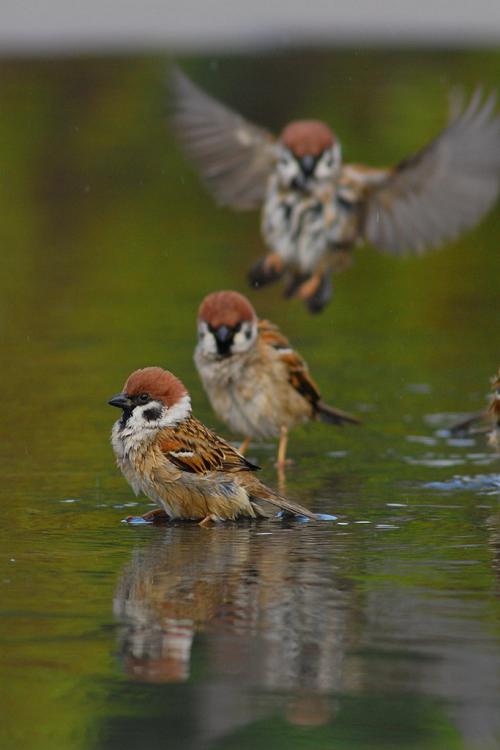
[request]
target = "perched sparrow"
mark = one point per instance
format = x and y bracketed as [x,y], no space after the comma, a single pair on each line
[257,384]
[486,421]
[167,454]
[315,208]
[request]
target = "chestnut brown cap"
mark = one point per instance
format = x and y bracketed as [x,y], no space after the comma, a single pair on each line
[160,384]
[225,308]
[307,137]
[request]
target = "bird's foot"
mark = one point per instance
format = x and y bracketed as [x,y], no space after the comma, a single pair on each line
[294,282]
[316,292]
[157,515]
[208,520]
[265,271]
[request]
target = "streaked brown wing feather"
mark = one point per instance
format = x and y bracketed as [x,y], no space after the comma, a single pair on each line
[194,448]
[442,190]
[233,156]
[298,373]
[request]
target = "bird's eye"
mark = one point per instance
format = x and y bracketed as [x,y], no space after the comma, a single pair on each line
[237,327]
[144,398]
[248,334]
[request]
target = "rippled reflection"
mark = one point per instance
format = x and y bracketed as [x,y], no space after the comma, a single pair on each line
[278,614]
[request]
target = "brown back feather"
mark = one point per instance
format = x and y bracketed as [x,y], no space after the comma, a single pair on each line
[299,377]
[194,448]
[298,374]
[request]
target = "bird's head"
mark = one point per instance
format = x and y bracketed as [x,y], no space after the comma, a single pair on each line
[227,325]
[152,398]
[309,154]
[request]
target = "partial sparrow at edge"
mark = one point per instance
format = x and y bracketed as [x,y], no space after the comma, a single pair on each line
[486,421]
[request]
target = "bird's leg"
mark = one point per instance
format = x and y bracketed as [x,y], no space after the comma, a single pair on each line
[282,446]
[157,515]
[281,479]
[266,270]
[293,283]
[273,264]
[244,446]
[322,294]
[310,287]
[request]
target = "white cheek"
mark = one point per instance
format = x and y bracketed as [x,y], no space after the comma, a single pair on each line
[323,171]
[136,431]
[329,164]
[241,342]
[177,413]
[207,344]
[288,171]
[139,430]
[137,422]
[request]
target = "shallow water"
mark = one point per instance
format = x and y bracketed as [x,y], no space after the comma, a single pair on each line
[377,630]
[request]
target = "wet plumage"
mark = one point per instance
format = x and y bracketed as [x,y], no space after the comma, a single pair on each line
[185,468]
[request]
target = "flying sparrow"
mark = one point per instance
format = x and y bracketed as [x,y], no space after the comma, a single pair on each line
[315,208]
[167,454]
[486,421]
[257,384]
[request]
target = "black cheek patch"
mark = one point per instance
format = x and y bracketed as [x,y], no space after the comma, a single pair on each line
[152,414]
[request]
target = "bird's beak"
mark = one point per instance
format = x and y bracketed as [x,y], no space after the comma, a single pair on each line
[223,334]
[224,338]
[121,400]
[307,164]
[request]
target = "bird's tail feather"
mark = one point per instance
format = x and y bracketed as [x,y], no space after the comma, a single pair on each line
[331,415]
[260,492]
[466,426]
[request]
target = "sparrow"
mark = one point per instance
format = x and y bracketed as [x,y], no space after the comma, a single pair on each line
[486,421]
[185,468]
[315,208]
[257,384]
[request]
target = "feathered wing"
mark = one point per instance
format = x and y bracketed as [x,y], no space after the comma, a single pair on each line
[233,156]
[194,448]
[439,192]
[299,377]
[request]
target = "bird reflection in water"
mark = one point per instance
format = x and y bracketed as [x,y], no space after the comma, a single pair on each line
[273,609]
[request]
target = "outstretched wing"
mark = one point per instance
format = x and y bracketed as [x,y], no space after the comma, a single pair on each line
[233,156]
[439,192]
[194,448]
